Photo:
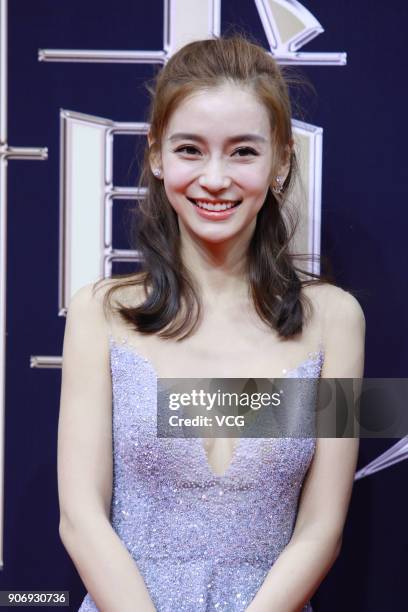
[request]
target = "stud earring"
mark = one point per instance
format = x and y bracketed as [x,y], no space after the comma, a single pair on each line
[156,172]
[279,187]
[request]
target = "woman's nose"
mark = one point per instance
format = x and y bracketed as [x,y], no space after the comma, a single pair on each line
[214,178]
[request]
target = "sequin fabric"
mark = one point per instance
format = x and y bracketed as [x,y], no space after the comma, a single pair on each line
[202,542]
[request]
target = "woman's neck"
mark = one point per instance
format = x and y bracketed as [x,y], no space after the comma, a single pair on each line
[219,269]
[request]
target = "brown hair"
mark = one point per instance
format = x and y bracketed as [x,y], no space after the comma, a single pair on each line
[172,306]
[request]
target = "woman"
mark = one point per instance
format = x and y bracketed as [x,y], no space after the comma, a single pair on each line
[214,524]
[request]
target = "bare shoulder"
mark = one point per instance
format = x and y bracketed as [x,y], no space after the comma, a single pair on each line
[122,291]
[99,303]
[320,293]
[333,302]
[88,299]
[343,307]
[86,322]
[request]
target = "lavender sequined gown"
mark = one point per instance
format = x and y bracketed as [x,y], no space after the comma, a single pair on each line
[202,542]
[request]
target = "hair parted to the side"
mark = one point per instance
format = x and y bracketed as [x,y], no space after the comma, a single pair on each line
[172,307]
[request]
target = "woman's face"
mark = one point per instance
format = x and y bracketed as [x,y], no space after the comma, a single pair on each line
[216,153]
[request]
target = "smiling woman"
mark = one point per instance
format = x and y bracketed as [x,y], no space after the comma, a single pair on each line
[218,171]
[220,149]
[206,524]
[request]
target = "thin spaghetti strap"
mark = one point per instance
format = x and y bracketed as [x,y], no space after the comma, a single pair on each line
[109,330]
[322,322]
[115,334]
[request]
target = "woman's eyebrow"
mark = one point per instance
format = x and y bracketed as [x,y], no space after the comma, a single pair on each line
[233,139]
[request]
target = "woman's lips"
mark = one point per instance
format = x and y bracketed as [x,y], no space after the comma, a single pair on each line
[214,215]
[214,202]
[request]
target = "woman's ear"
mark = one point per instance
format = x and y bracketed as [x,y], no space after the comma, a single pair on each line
[287,159]
[150,138]
[154,156]
[285,165]
[283,169]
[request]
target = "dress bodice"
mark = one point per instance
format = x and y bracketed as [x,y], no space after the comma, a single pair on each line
[202,541]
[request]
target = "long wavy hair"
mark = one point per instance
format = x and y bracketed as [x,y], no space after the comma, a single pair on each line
[172,305]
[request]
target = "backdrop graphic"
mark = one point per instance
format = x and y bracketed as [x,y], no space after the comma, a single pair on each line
[75,86]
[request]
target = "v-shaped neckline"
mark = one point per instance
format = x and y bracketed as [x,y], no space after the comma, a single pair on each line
[231,464]
[127,347]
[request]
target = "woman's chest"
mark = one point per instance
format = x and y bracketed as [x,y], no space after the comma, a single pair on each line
[222,359]
[223,351]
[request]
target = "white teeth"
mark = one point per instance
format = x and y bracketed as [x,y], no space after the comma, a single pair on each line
[208,206]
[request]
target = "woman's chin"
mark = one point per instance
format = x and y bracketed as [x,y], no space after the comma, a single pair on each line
[214,235]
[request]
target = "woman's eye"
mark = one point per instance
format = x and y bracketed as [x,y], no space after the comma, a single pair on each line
[244,151]
[189,149]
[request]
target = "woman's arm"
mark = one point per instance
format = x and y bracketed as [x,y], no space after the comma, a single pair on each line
[85,463]
[326,492]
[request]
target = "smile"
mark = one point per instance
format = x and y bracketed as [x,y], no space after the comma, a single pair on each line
[214,205]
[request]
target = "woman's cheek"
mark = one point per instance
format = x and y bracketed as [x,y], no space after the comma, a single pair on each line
[252,178]
[178,175]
